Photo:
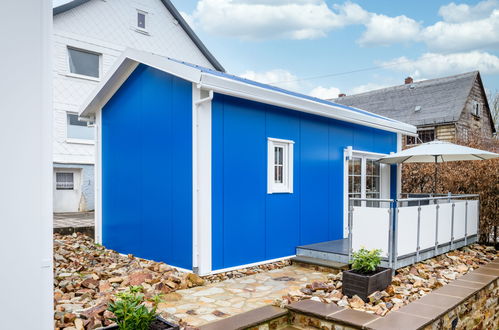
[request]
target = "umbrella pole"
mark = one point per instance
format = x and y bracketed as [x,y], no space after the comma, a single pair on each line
[435,176]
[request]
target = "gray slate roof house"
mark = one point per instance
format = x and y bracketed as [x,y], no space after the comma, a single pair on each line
[444,108]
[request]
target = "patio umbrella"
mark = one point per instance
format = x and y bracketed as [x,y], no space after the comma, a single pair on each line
[437,152]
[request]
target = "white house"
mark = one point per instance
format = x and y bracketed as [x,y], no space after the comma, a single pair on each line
[88,36]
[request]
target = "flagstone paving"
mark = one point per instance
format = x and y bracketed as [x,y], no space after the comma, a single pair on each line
[212,302]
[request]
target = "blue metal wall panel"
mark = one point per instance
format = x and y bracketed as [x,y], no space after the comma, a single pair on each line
[250,225]
[314,183]
[283,208]
[147,168]
[244,183]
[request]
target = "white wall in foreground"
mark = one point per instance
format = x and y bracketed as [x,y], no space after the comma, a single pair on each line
[26,165]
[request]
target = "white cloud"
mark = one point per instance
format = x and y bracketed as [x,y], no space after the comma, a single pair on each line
[445,36]
[432,64]
[454,13]
[266,19]
[463,27]
[325,92]
[276,77]
[366,88]
[384,30]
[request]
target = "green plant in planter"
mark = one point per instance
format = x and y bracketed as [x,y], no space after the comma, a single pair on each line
[130,312]
[365,261]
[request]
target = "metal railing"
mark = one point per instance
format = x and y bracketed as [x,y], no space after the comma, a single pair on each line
[427,203]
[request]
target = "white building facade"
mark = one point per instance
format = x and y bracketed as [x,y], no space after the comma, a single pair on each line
[88,36]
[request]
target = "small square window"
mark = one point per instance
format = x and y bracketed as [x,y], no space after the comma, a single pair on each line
[280,166]
[64,181]
[141,20]
[84,63]
[78,129]
[426,135]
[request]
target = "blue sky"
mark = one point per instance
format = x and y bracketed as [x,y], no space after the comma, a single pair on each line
[287,41]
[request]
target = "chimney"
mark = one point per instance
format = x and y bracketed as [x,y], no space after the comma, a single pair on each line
[342,94]
[408,80]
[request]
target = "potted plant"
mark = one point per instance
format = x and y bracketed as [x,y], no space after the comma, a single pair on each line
[131,313]
[366,276]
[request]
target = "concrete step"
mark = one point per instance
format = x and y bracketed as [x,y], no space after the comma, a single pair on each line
[319,262]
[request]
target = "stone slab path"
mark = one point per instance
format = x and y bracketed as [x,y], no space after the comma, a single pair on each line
[213,302]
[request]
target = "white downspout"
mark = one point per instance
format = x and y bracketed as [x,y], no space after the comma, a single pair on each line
[195,179]
[206,99]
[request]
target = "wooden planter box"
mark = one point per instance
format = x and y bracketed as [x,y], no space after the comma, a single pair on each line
[159,324]
[363,285]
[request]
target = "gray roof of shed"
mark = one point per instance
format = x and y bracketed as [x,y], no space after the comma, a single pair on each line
[173,11]
[441,100]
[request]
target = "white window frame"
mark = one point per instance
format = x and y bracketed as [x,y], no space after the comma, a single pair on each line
[477,109]
[144,30]
[76,140]
[82,76]
[287,185]
[384,180]
[59,185]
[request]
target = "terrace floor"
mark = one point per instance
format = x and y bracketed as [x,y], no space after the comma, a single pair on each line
[200,305]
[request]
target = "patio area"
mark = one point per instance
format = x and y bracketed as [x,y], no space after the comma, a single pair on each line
[407,230]
[201,305]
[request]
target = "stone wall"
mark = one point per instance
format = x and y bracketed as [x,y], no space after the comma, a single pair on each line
[469,302]
[481,311]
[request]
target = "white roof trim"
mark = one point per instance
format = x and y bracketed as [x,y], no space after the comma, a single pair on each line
[132,58]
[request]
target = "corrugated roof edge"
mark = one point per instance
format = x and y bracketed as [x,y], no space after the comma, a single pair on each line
[173,11]
[281,90]
[234,86]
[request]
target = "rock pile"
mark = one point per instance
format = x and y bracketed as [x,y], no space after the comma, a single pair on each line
[87,276]
[409,284]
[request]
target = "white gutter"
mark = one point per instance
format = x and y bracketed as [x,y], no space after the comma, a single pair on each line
[258,94]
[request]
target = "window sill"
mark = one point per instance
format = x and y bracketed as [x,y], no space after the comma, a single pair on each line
[141,31]
[80,76]
[80,141]
[279,192]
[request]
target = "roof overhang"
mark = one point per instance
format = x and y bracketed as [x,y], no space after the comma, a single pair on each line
[220,84]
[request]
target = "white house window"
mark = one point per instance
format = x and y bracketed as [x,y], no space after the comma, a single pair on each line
[78,129]
[280,166]
[64,181]
[364,179]
[477,109]
[355,178]
[84,63]
[141,19]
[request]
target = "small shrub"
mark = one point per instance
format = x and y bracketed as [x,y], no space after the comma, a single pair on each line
[365,261]
[130,311]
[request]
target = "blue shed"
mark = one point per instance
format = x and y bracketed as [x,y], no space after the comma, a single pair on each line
[208,172]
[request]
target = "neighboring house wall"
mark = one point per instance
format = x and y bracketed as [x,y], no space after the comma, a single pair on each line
[81,198]
[106,28]
[445,132]
[147,168]
[470,125]
[249,225]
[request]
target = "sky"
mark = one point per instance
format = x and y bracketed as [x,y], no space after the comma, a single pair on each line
[324,47]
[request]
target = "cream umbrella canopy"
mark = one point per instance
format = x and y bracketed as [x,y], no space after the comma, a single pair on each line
[437,152]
